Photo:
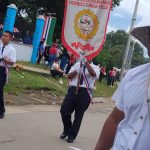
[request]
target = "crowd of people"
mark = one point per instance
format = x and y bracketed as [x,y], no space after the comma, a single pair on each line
[60,61]
[57,58]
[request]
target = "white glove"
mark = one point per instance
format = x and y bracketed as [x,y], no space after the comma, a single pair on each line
[79,70]
[83,59]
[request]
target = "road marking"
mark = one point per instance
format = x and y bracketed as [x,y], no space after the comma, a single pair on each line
[74,148]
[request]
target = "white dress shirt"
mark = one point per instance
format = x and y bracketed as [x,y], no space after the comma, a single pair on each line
[133,132]
[91,80]
[8,52]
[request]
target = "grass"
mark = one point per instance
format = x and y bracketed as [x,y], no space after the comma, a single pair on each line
[103,90]
[18,82]
[21,81]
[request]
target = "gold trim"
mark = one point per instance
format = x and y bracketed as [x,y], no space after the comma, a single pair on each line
[95,26]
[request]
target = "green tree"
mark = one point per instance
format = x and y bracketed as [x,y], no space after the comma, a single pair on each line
[113,51]
[34,7]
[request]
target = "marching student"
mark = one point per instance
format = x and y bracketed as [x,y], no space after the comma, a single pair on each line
[77,101]
[7,58]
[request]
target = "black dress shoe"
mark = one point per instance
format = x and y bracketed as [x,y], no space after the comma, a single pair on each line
[63,135]
[1,116]
[70,139]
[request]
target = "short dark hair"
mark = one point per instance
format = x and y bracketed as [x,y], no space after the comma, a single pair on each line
[10,33]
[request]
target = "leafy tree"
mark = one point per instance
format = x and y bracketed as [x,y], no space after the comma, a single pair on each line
[34,7]
[113,51]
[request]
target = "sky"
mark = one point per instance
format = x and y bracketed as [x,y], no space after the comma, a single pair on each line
[120,17]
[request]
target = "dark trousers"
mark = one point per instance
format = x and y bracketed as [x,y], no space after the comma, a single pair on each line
[2,84]
[63,62]
[56,73]
[77,104]
[52,57]
[39,58]
[68,68]
[101,77]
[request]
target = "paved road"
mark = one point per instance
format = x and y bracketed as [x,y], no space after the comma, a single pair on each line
[39,127]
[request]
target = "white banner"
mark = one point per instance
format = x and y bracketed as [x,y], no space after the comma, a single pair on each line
[84,26]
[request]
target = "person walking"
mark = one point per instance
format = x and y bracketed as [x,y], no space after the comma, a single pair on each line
[7,58]
[78,98]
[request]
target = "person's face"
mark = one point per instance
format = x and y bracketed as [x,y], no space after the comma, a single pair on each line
[6,38]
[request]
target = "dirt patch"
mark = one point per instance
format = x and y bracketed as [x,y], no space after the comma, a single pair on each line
[44,97]
[33,97]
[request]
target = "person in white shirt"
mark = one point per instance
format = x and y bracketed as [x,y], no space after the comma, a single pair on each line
[77,99]
[7,58]
[128,126]
[56,71]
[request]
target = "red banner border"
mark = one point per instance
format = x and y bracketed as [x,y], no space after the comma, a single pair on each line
[90,56]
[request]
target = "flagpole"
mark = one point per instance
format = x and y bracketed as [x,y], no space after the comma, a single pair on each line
[129,40]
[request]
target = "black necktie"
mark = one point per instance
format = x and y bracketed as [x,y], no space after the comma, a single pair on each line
[81,79]
[2,49]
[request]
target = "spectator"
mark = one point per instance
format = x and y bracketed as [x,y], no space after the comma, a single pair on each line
[102,73]
[72,61]
[111,77]
[41,50]
[64,59]
[52,54]
[56,71]
[46,55]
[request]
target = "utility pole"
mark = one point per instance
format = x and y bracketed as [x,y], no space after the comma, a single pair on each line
[129,40]
[131,50]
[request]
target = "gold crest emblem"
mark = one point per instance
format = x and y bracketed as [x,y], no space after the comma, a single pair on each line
[86,24]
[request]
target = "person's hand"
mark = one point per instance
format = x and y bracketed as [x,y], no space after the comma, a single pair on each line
[1,58]
[79,70]
[82,59]
[5,58]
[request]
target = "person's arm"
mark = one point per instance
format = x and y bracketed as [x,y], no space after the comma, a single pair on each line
[108,133]
[74,71]
[90,69]
[8,61]
[72,74]
[58,68]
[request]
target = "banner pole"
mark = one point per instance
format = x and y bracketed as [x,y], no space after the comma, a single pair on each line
[79,77]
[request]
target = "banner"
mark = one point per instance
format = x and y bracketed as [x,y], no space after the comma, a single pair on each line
[84,26]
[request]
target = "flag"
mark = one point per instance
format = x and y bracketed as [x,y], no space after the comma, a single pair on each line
[48,30]
[84,26]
